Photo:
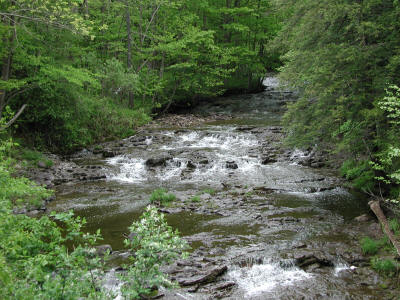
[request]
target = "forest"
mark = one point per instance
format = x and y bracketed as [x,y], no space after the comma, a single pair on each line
[76,73]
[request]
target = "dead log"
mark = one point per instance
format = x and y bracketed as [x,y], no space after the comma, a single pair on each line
[376,208]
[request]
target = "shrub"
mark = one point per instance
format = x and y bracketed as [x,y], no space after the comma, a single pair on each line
[34,157]
[154,244]
[161,196]
[369,246]
[360,173]
[17,191]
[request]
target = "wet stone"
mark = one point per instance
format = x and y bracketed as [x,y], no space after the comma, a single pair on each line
[231,165]
[158,161]
[103,249]
[210,276]
[108,153]
[363,218]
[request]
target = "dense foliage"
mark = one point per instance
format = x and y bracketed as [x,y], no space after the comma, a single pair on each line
[344,58]
[89,70]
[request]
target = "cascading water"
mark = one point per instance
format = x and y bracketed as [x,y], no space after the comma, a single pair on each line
[264,278]
[264,203]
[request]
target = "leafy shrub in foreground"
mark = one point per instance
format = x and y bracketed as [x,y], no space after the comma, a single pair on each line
[41,260]
[155,244]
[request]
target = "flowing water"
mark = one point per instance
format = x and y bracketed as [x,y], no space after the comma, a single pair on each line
[259,215]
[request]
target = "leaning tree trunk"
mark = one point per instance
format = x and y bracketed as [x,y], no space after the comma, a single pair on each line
[375,207]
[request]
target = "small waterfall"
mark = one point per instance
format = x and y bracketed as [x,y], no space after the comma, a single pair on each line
[130,170]
[265,277]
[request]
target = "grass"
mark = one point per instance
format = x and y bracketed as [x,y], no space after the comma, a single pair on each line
[161,196]
[211,192]
[249,194]
[195,199]
[369,246]
[31,155]
[385,266]
[394,226]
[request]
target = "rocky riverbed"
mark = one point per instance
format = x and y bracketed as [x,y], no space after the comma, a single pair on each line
[263,221]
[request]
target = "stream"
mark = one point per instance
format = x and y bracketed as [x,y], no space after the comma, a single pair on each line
[276,221]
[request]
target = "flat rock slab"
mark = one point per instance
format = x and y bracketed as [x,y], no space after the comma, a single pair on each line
[210,276]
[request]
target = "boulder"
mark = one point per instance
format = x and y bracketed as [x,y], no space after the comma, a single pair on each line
[158,161]
[108,153]
[363,218]
[190,165]
[268,160]
[42,164]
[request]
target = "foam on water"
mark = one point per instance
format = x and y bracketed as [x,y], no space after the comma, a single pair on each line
[263,278]
[272,82]
[130,170]
[215,141]
[173,169]
[341,266]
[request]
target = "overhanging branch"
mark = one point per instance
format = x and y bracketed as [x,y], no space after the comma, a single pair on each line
[12,121]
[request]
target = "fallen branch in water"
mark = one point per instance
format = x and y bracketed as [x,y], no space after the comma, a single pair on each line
[376,208]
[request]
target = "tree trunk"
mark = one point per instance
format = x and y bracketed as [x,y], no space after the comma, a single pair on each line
[129,54]
[5,75]
[7,60]
[85,7]
[227,20]
[375,207]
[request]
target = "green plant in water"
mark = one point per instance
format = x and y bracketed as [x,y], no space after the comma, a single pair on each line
[161,196]
[195,199]
[369,246]
[155,244]
[249,194]
[211,192]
